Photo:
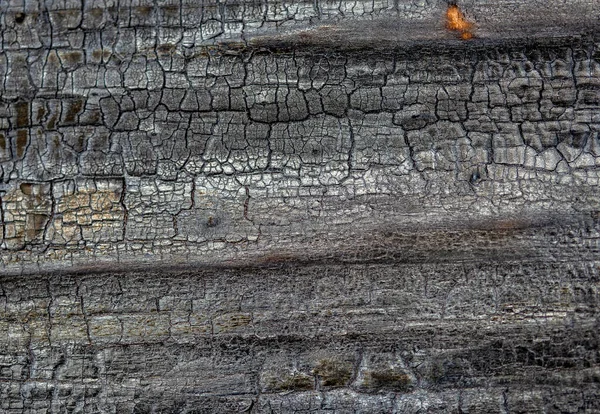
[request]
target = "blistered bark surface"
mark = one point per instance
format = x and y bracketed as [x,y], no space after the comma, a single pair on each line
[303,206]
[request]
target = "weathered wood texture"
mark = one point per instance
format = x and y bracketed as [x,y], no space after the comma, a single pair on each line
[302,206]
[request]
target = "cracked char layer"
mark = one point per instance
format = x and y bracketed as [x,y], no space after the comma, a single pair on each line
[485,337]
[214,157]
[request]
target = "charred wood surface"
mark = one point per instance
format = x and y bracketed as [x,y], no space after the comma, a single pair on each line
[302,206]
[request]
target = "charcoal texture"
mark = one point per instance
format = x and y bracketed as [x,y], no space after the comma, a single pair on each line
[301,206]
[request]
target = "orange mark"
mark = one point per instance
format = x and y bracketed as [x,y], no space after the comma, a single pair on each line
[455,20]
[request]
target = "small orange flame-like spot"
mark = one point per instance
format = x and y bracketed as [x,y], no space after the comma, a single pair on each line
[455,20]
